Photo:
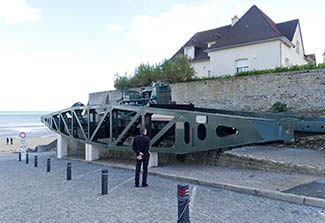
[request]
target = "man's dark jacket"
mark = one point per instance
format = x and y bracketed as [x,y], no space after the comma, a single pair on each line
[141,143]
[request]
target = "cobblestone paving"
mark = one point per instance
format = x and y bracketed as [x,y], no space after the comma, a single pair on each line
[29,194]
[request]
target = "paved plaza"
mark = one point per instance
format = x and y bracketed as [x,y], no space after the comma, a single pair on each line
[30,194]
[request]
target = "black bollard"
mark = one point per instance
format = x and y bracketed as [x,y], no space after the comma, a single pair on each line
[104,182]
[69,171]
[19,156]
[183,199]
[27,161]
[35,161]
[48,167]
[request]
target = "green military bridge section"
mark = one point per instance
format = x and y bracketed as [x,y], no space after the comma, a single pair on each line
[178,129]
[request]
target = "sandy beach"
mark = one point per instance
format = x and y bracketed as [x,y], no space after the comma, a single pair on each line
[31,143]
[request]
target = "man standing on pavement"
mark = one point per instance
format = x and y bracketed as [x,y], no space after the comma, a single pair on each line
[140,146]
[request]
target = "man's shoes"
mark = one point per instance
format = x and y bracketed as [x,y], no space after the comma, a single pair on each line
[145,185]
[136,185]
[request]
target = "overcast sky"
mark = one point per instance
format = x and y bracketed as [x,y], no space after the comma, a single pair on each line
[54,52]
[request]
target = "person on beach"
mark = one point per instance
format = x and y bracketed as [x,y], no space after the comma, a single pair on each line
[11,141]
[140,146]
[7,140]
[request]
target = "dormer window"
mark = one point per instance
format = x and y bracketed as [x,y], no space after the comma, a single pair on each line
[189,52]
[234,20]
[210,43]
[297,47]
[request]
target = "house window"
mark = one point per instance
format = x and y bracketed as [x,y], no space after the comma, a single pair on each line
[286,62]
[242,69]
[241,65]
[297,47]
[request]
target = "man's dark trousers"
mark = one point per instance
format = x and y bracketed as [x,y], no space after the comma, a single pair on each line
[144,162]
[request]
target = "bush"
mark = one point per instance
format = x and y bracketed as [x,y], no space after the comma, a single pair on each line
[280,70]
[122,82]
[171,71]
[321,65]
[279,107]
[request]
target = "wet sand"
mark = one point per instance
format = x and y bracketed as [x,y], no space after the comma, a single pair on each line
[30,143]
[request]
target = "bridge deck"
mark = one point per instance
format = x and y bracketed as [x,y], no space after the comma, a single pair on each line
[177,129]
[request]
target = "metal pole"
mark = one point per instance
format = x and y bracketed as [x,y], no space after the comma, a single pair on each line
[69,171]
[104,182]
[183,199]
[19,156]
[35,161]
[27,161]
[48,168]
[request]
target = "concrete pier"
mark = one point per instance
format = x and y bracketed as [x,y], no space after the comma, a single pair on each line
[153,161]
[91,153]
[62,147]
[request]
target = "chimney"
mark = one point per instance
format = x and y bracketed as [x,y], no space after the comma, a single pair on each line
[234,20]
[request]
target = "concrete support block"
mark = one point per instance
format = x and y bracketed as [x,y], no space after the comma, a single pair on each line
[92,152]
[62,147]
[241,189]
[292,198]
[153,161]
[316,202]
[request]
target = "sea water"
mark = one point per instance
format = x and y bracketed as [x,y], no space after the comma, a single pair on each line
[13,123]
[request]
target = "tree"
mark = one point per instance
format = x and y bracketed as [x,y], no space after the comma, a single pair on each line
[122,82]
[172,71]
[145,74]
[167,67]
[182,70]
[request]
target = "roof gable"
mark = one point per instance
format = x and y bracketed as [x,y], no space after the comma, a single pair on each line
[288,28]
[253,26]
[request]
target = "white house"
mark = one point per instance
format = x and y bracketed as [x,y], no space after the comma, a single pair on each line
[252,42]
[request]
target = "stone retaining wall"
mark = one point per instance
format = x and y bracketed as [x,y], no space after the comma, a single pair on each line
[301,91]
